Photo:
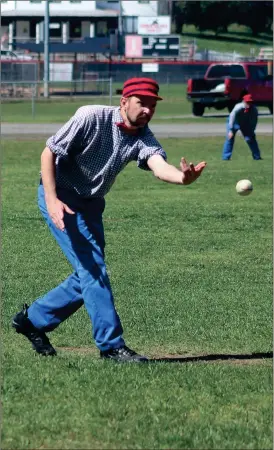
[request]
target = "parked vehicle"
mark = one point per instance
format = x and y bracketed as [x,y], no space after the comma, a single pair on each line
[7,55]
[224,85]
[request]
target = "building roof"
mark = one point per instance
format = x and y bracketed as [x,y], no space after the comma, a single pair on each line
[67,13]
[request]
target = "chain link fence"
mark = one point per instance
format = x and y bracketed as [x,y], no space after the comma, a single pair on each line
[34,92]
[13,71]
[84,74]
[20,90]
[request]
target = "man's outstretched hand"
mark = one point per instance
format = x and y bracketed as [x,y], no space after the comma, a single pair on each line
[191,172]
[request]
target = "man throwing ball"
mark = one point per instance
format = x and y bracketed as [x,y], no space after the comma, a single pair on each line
[78,167]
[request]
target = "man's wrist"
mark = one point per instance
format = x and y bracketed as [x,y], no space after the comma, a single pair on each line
[50,194]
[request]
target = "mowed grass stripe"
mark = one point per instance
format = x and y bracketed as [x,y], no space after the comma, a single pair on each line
[191,269]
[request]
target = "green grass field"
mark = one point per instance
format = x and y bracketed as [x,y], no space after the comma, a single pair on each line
[173,109]
[191,269]
[53,110]
[238,38]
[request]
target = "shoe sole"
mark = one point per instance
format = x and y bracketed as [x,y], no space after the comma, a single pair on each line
[120,361]
[16,326]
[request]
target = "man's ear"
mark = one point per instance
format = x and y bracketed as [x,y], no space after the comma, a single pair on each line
[123,101]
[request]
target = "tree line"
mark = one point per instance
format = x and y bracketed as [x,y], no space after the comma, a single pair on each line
[216,16]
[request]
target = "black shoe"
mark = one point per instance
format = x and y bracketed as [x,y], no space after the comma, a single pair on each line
[123,354]
[39,340]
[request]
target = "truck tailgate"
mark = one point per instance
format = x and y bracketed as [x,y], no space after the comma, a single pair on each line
[203,86]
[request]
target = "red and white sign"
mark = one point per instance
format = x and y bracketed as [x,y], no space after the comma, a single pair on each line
[133,46]
[154,25]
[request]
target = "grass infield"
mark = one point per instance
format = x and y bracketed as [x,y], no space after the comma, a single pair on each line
[191,269]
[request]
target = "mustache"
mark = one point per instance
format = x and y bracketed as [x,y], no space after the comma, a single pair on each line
[144,116]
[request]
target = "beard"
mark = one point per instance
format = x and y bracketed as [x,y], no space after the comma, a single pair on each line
[139,121]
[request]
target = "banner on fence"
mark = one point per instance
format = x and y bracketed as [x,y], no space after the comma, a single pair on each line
[61,71]
[154,25]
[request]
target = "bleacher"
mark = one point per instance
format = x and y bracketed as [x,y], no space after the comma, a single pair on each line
[265,54]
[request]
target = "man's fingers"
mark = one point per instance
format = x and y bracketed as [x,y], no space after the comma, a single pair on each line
[56,211]
[59,223]
[59,220]
[199,167]
[190,167]
[183,164]
[67,209]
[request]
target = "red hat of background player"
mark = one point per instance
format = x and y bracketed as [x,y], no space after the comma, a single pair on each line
[141,86]
[248,98]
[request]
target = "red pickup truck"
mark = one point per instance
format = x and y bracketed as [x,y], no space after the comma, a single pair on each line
[224,85]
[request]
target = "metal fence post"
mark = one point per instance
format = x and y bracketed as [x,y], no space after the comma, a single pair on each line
[110,91]
[33,101]
[46,51]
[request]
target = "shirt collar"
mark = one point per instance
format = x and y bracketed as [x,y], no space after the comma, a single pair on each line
[119,122]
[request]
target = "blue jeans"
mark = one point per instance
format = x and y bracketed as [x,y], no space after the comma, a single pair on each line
[250,139]
[83,244]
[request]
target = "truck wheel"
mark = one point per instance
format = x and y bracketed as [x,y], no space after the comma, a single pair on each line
[198,109]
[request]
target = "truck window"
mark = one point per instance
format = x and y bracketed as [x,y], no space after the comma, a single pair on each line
[257,72]
[225,71]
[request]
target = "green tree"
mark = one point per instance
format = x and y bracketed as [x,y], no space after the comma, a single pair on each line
[257,15]
[218,15]
[215,16]
[204,15]
[178,15]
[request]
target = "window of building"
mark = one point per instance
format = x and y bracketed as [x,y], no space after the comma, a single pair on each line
[75,28]
[36,1]
[55,30]
[143,1]
[130,25]
[102,28]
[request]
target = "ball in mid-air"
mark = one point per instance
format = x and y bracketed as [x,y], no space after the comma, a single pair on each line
[244,187]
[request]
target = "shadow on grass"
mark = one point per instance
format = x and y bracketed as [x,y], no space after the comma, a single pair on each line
[217,357]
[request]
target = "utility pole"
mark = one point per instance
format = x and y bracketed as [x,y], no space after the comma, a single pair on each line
[120,19]
[46,50]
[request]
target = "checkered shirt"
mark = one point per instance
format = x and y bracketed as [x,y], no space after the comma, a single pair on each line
[91,150]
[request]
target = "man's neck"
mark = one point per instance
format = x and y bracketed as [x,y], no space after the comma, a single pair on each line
[127,124]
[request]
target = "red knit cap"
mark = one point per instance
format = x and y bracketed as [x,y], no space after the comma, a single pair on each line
[248,98]
[141,86]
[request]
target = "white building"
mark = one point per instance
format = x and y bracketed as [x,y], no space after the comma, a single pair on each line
[70,20]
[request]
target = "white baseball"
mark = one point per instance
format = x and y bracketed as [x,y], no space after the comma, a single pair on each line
[244,187]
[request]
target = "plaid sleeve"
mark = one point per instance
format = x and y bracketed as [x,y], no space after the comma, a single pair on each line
[149,147]
[71,136]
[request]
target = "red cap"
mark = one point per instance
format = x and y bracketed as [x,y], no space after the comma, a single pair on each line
[141,86]
[248,98]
